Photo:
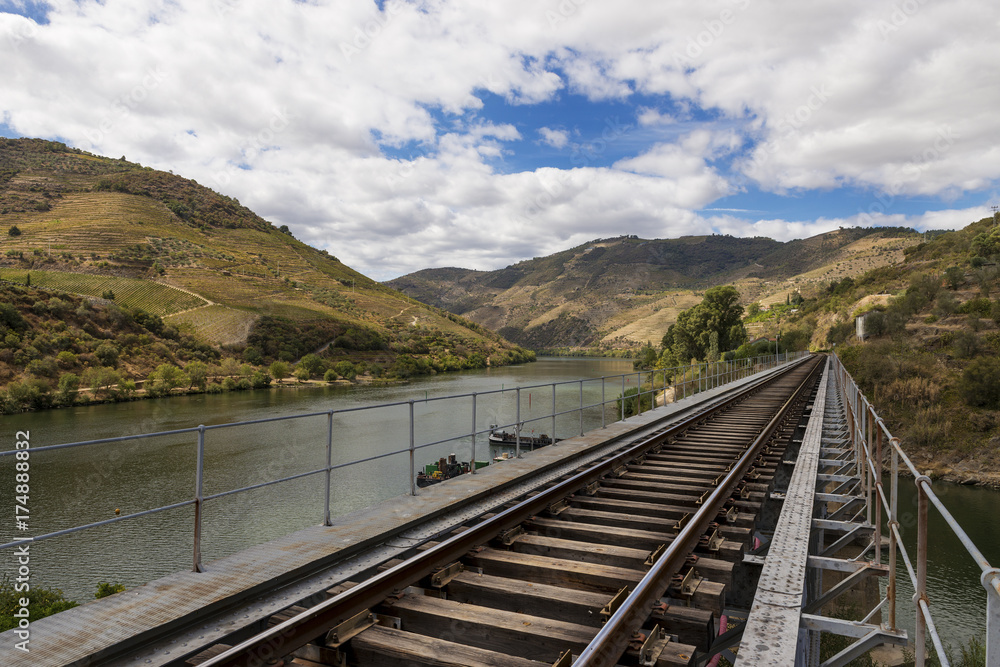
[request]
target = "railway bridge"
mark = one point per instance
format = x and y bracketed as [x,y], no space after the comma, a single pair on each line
[727,523]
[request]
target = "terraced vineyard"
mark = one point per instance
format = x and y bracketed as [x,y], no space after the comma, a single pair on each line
[216,324]
[152,297]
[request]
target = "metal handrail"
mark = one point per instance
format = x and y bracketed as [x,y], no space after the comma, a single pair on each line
[694,378]
[867,428]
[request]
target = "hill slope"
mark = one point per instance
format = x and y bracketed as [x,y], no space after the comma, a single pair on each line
[106,228]
[624,291]
[931,364]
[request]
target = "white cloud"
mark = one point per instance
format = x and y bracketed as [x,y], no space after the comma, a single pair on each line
[554,138]
[368,132]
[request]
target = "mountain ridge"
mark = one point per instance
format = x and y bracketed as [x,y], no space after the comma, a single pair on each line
[596,294]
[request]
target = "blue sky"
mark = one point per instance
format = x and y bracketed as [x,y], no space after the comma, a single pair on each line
[413,134]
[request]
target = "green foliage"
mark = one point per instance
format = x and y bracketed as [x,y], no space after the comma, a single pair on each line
[165,379]
[330,376]
[980,383]
[718,313]
[313,364]
[260,379]
[107,353]
[197,372]
[279,370]
[104,589]
[13,231]
[301,373]
[954,276]
[42,602]
[631,398]
[346,370]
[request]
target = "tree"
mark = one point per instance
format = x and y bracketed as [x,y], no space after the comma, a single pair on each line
[68,384]
[954,276]
[197,372]
[345,369]
[279,370]
[101,379]
[107,353]
[719,312]
[753,309]
[13,231]
[166,378]
[301,374]
[313,364]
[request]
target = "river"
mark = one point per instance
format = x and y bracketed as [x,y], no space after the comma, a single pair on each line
[77,486]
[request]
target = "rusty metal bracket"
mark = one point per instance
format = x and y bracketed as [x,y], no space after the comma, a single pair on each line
[681,522]
[508,537]
[686,584]
[558,507]
[619,470]
[639,460]
[728,515]
[653,647]
[443,576]
[654,555]
[342,633]
[591,488]
[612,606]
[565,660]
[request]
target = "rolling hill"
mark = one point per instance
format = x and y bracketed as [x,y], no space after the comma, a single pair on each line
[622,292]
[129,237]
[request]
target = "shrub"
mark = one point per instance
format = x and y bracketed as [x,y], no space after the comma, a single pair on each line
[301,374]
[981,306]
[965,344]
[229,384]
[214,388]
[345,369]
[980,383]
[279,370]
[41,602]
[330,376]
[260,379]
[104,589]
[13,231]
[107,354]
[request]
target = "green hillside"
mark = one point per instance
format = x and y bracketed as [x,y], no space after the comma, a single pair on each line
[149,243]
[932,361]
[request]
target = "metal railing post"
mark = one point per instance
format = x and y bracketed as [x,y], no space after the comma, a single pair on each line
[879,492]
[199,498]
[920,634]
[329,466]
[472,463]
[413,464]
[623,397]
[893,530]
[991,581]
[603,406]
[638,393]
[581,407]
[517,428]
[554,410]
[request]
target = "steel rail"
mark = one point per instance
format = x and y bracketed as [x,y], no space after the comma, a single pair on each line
[299,630]
[611,641]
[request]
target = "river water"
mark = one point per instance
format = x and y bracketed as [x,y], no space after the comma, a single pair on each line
[83,485]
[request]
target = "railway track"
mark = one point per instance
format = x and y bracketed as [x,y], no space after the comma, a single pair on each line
[624,562]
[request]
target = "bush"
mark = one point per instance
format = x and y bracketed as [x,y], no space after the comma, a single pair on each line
[260,379]
[279,370]
[107,354]
[345,369]
[104,589]
[41,602]
[301,374]
[965,344]
[981,307]
[980,383]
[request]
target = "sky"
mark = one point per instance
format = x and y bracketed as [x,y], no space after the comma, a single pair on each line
[410,134]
